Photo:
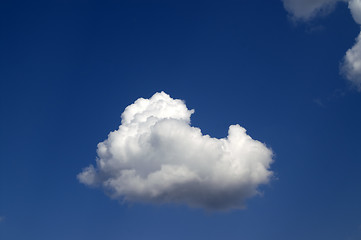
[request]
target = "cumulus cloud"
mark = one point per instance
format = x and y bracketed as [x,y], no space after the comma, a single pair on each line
[355,8]
[156,156]
[351,66]
[307,9]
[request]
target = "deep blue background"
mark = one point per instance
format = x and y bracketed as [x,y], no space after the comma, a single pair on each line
[69,68]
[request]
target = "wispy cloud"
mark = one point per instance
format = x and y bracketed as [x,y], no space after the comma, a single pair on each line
[306,10]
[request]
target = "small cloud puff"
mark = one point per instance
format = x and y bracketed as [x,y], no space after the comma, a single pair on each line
[157,157]
[351,65]
[307,9]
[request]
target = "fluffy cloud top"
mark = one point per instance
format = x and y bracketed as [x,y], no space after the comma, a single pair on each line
[156,156]
[307,9]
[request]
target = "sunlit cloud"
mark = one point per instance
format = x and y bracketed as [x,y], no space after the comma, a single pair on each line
[156,156]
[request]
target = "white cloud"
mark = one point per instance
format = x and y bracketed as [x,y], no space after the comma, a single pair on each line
[156,156]
[351,66]
[307,9]
[355,8]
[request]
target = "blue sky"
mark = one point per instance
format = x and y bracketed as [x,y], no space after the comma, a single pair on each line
[68,69]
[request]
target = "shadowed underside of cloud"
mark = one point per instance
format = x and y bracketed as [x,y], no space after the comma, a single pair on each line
[157,157]
[306,10]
